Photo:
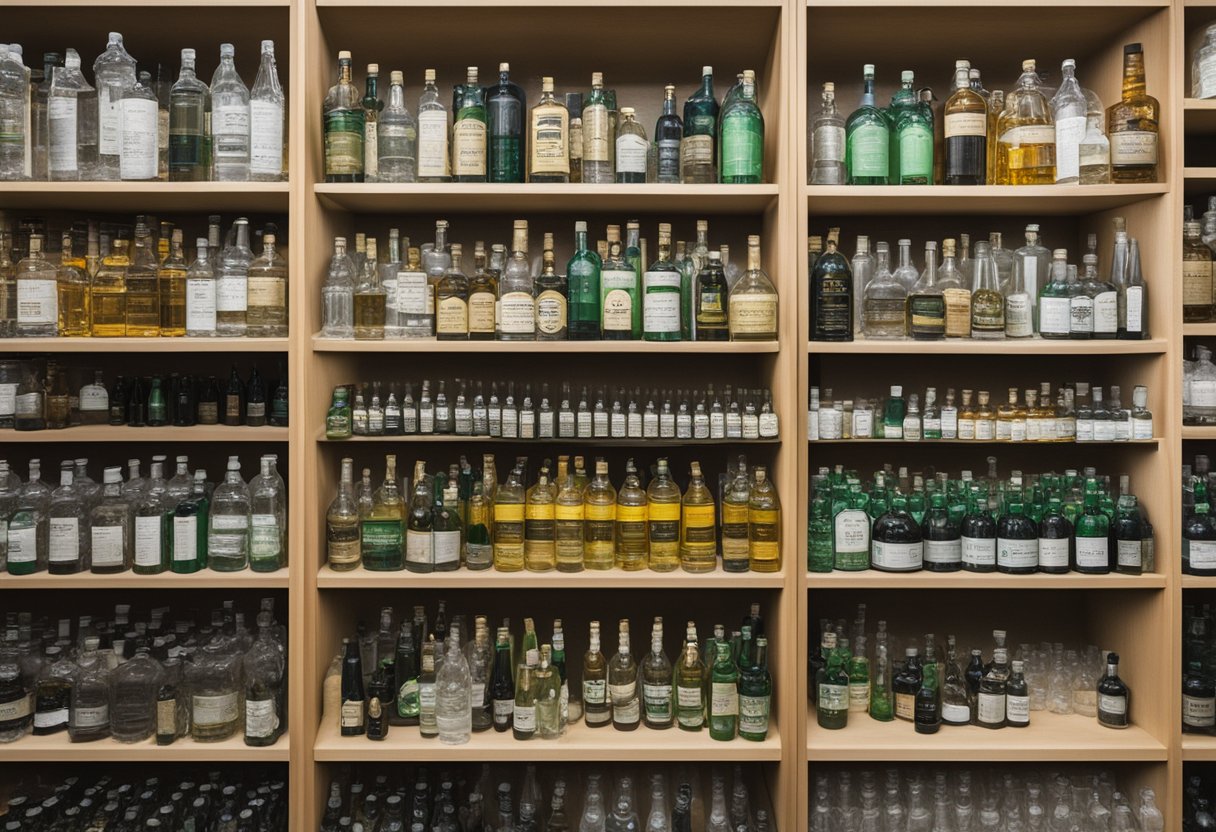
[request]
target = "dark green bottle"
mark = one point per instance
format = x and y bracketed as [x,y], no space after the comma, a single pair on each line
[506,105]
[583,285]
[942,538]
[832,294]
[1055,540]
[833,688]
[1017,540]
[927,708]
[1092,551]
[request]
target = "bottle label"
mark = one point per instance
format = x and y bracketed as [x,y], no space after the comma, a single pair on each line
[699,149]
[742,146]
[414,294]
[1197,282]
[944,551]
[503,711]
[724,700]
[753,314]
[869,149]
[625,707]
[966,124]
[352,714]
[371,149]
[452,317]
[344,143]
[1069,132]
[658,702]
[22,543]
[979,551]
[1206,76]
[688,697]
[1054,316]
[1028,134]
[1096,154]
[517,314]
[432,144]
[595,691]
[618,299]
[1106,313]
[550,131]
[958,312]
[859,697]
[88,717]
[897,556]
[44,719]
[1203,393]
[669,160]
[1082,309]
[631,153]
[1019,320]
[107,545]
[469,148]
[905,706]
[215,710]
[231,292]
[1092,551]
[265,138]
[1197,712]
[446,546]
[138,157]
[550,312]
[109,115]
[524,718]
[1133,147]
[418,547]
[661,309]
[956,714]
[261,718]
[1134,297]
[916,152]
[851,534]
[61,117]
[200,305]
[147,541]
[65,540]
[829,143]
[991,708]
[1128,553]
[18,709]
[1142,428]
[753,715]
[37,302]
[266,292]
[1115,705]
[1017,554]
[595,133]
[1017,709]
[1053,552]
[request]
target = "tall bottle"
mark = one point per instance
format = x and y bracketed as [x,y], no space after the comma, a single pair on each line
[229,121]
[1068,109]
[741,136]
[453,709]
[1025,135]
[138,152]
[1132,124]
[549,138]
[623,684]
[71,123]
[469,154]
[913,133]
[597,135]
[372,105]
[397,136]
[583,280]
[867,138]
[267,107]
[343,120]
[832,295]
[505,109]
[517,305]
[698,148]
[668,133]
[433,131]
[232,281]
[114,73]
[827,141]
[966,131]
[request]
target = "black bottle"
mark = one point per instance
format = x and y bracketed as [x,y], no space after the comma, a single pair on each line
[353,719]
[906,684]
[208,408]
[942,536]
[1055,540]
[137,404]
[896,544]
[183,402]
[377,719]
[1017,698]
[979,536]
[279,404]
[502,685]
[232,410]
[118,402]
[928,710]
[1198,701]
[972,675]
[1017,540]
[255,400]
[1114,699]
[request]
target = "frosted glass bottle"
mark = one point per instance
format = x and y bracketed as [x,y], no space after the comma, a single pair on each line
[229,121]
[266,106]
[13,110]
[114,73]
[453,711]
[338,295]
[72,128]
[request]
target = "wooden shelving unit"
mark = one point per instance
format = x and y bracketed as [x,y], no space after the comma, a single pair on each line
[794,45]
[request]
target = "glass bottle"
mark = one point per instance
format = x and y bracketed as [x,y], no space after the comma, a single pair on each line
[143,293]
[753,301]
[267,106]
[698,539]
[109,293]
[344,120]
[540,546]
[1025,136]
[1196,275]
[832,688]
[453,710]
[214,682]
[37,293]
[832,294]
[397,136]
[550,138]
[229,121]
[189,100]
[599,518]
[597,135]
[827,141]
[741,135]
[668,131]
[698,148]
[1068,111]
[913,132]
[712,304]
[632,147]
[1114,697]
[1132,124]
[342,523]
[987,303]
[382,529]
[110,527]
[72,123]
[523,717]
[926,313]
[966,129]
[201,293]
[370,299]
[867,138]
[724,698]
[884,303]
[583,276]
[266,315]
[89,716]
[114,71]
[451,301]
[469,132]
[623,684]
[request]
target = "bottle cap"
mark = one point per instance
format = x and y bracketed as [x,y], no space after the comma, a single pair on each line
[373,69]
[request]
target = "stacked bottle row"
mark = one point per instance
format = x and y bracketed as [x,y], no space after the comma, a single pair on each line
[145,525]
[695,414]
[34,399]
[1048,523]
[1198,679]
[1032,135]
[465,800]
[253,801]
[151,292]
[996,799]
[846,678]
[1078,415]
[610,295]
[988,293]
[132,680]
[452,686]
[490,135]
[127,126]
[566,521]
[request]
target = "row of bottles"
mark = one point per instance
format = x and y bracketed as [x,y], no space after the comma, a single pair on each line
[1030,135]
[452,686]
[133,680]
[995,799]
[565,520]
[847,677]
[172,800]
[611,294]
[148,289]
[549,798]
[35,399]
[147,525]
[1198,679]
[1020,525]
[988,292]
[1079,414]
[736,413]
[489,135]
[128,126]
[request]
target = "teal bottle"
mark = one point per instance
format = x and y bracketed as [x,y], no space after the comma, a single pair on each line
[867,139]
[742,136]
[698,148]
[583,279]
[505,108]
[469,131]
[912,154]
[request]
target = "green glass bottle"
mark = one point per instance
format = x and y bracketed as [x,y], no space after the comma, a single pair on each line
[928,711]
[661,293]
[912,154]
[742,136]
[833,688]
[690,693]
[344,119]
[583,279]
[469,131]
[698,148]
[881,708]
[867,138]
[859,679]
[755,695]
[819,554]
[338,420]
[724,696]
[189,529]
[1092,548]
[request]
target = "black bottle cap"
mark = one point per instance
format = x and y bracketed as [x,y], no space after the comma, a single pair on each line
[1132,49]
[1112,658]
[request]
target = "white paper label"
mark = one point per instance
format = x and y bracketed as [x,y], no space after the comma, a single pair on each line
[1054,316]
[1017,709]
[22,544]
[185,538]
[37,302]
[412,291]
[265,137]
[631,153]
[1069,132]
[1017,554]
[447,547]
[991,708]
[231,292]
[432,143]
[525,717]
[724,699]
[1197,712]
[1092,552]
[107,545]
[229,128]
[8,399]
[661,310]
[92,717]
[1112,704]
[418,547]
[1203,393]
[517,313]
[138,157]
[1053,552]
[829,144]
[1106,313]
[897,556]
[1133,147]
[1201,554]
[688,697]
[109,118]
[61,116]
[943,551]
[1019,318]
[260,718]
[979,551]
[200,305]
[956,714]
[214,710]
[851,529]
[147,541]
[64,539]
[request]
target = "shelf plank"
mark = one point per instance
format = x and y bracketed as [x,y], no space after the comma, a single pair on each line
[967,346]
[430,345]
[58,748]
[580,743]
[1198,582]
[549,198]
[206,579]
[147,196]
[1055,737]
[1199,114]
[597,443]
[1199,431]
[125,433]
[153,4]
[1199,173]
[1189,330]
[1198,748]
[1040,200]
[379,4]
[587,579]
[973,442]
[96,345]
[874,579]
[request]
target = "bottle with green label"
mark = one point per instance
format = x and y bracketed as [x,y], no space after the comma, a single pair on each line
[867,138]
[741,136]
[755,695]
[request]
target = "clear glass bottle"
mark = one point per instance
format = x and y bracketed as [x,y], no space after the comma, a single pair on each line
[138,154]
[1025,134]
[134,685]
[267,107]
[89,717]
[753,301]
[228,522]
[201,293]
[343,120]
[37,293]
[453,709]
[965,118]
[229,120]
[214,682]
[827,141]
[338,295]
[397,136]
[987,303]
[114,71]
[632,147]
[1068,111]
[884,302]
[433,132]
[72,123]
[370,298]
[110,523]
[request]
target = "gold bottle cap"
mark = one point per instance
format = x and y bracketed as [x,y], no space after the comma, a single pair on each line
[1028,65]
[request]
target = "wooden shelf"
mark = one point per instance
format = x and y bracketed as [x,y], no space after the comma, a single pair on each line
[580,743]
[186,197]
[58,748]
[1198,582]
[1038,200]
[1198,330]
[321,344]
[873,579]
[1199,432]
[1205,173]
[974,442]
[597,443]
[37,345]
[587,579]
[1199,114]
[967,346]
[549,198]
[1055,737]
[124,433]
[206,579]
[152,4]
[969,4]
[1198,748]
[540,4]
